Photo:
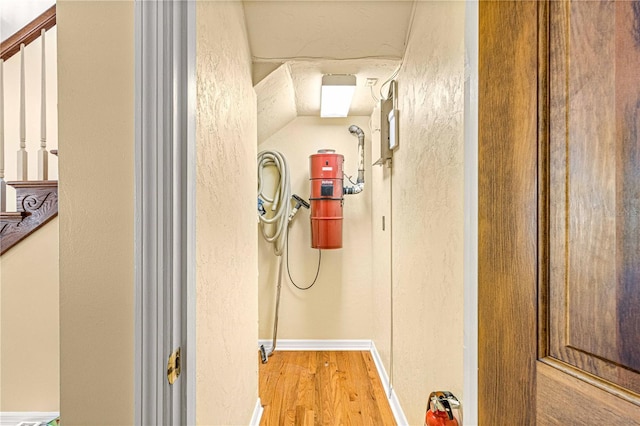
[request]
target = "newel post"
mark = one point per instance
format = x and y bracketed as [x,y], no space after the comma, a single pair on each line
[43,155]
[3,184]
[22,152]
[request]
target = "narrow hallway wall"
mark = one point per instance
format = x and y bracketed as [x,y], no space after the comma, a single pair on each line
[339,305]
[381,254]
[427,180]
[226,230]
[30,338]
[96,133]
[30,348]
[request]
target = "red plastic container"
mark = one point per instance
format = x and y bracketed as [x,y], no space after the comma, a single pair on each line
[326,199]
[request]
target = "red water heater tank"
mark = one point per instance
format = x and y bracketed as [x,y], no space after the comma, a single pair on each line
[326,199]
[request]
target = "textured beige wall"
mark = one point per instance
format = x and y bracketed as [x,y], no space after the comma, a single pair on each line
[339,304]
[32,64]
[381,254]
[428,211]
[96,132]
[29,371]
[29,339]
[226,233]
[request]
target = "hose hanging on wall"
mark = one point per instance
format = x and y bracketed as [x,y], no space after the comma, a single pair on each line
[274,228]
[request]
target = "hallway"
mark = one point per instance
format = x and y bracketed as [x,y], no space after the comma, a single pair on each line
[401,267]
[323,388]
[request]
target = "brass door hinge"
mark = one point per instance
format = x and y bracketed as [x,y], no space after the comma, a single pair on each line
[173,366]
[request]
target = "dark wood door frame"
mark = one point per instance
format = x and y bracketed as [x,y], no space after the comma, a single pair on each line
[508,210]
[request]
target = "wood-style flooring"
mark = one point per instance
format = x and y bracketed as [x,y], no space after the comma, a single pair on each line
[322,388]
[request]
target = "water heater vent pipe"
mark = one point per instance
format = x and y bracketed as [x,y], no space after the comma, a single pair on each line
[359,186]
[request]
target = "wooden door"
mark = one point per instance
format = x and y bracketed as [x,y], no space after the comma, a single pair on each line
[559,213]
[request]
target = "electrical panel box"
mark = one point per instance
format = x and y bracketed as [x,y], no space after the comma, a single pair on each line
[393,129]
[389,124]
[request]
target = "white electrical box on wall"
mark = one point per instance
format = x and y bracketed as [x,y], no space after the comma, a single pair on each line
[393,129]
[389,124]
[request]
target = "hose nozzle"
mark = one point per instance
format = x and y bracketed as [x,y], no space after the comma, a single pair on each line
[300,202]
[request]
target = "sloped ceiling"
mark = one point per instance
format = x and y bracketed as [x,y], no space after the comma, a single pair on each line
[276,102]
[365,38]
[327,29]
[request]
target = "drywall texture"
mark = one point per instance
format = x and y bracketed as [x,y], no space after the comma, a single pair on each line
[32,64]
[339,304]
[226,232]
[381,255]
[96,131]
[327,29]
[276,102]
[29,371]
[428,180]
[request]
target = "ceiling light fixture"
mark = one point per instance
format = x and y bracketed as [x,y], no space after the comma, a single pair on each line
[337,93]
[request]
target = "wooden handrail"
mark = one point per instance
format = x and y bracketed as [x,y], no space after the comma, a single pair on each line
[37,204]
[28,33]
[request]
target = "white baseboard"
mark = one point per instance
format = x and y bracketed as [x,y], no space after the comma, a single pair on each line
[345,345]
[394,402]
[396,409]
[12,418]
[257,414]
[317,345]
[382,372]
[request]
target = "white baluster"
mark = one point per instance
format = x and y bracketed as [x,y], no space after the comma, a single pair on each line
[3,185]
[22,153]
[43,155]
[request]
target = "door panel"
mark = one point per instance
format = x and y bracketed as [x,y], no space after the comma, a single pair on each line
[628,181]
[559,212]
[593,208]
[566,400]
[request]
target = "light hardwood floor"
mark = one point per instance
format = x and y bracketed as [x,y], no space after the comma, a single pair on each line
[322,388]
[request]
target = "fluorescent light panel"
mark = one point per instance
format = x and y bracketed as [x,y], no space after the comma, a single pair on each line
[337,93]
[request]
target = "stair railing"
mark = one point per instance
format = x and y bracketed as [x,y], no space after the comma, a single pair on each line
[3,184]
[14,44]
[36,199]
